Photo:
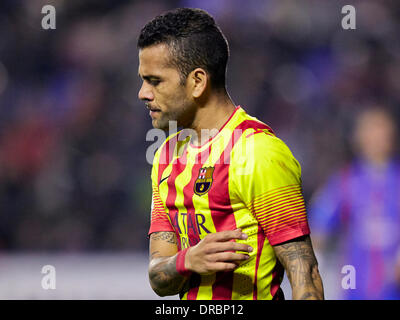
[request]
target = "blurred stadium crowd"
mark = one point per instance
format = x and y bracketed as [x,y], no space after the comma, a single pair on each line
[73,171]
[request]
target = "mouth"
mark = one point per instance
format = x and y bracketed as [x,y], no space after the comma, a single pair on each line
[152,109]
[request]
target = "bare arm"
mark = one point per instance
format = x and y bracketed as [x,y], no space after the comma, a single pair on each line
[164,279]
[298,259]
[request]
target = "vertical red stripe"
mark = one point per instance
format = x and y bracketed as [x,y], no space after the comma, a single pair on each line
[222,215]
[166,155]
[188,192]
[177,169]
[260,245]
[224,219]
[193,235]
[277,276]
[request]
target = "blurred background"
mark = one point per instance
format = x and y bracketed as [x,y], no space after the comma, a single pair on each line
[75,189]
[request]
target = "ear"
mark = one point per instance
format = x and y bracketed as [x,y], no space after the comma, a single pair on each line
[199,80]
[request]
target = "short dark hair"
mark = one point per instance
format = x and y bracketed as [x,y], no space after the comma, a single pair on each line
[194,41]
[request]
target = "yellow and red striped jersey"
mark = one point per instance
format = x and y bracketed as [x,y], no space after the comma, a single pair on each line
[244,177]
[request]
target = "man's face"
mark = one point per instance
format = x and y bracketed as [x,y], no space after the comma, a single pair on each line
[374,134]
[165,96]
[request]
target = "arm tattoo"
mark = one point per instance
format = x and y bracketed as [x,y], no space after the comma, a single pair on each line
[298,259]
[164,278]
[154,254]
[165,236]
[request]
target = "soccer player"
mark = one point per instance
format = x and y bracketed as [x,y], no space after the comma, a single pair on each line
[358,209]
[228,216]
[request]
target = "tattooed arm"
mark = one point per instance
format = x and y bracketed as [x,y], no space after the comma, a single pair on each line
[164,278]
[298,259]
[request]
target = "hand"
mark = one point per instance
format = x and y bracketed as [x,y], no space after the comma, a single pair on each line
[216,252]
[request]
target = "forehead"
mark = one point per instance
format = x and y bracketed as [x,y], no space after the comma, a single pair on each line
[154,59]
[375,117]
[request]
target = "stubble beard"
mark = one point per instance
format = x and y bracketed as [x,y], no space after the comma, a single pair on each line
[182,116]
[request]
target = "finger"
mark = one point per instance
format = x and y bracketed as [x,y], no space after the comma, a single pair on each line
[228,257]
[229,246]
[223,266]
[229,235]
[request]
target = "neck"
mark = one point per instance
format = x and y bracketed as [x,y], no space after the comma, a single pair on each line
[211,116]
[378,162]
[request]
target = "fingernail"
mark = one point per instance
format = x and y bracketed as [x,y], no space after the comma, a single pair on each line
[244,236]
[250,249]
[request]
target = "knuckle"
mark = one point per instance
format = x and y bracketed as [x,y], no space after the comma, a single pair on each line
[236,233]
[243,247]
[210,248]
[208,266]
[230,266]
[209,237]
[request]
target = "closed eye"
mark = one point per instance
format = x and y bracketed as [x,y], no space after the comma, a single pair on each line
[153,81]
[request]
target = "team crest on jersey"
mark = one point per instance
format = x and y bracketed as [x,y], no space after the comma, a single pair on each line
[204,181]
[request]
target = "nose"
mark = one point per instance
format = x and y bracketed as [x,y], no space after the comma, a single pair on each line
[145,93]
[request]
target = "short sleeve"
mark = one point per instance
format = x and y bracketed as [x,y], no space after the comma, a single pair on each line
[270,187]
[159,218]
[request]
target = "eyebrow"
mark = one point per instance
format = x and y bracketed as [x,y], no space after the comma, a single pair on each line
[149,77]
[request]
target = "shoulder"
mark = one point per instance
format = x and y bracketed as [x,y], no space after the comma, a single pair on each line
[261,145]
[258,137]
